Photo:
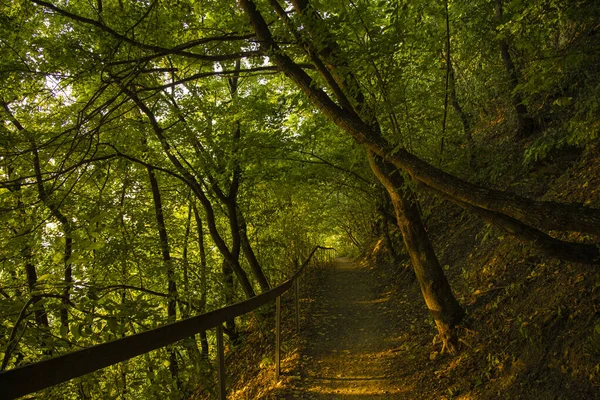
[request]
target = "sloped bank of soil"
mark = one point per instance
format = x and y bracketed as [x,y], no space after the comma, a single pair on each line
[533,323]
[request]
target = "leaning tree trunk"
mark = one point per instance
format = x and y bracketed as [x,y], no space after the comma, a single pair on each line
[435,288]
[39,310]
[434,285]
[196,188]
[235,214]
[56,213]
[250,255]
[494,204]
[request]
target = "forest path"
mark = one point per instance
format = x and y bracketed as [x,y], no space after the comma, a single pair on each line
[351,337]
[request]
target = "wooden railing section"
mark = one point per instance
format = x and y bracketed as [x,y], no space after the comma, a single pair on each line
[41,375]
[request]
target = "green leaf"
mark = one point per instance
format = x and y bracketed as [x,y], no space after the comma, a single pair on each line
[112,324]
[75,331]
[57,257]
[64,331]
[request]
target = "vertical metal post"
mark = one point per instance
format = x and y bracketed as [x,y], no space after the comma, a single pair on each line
[297,300]
[278,337]
[221,361]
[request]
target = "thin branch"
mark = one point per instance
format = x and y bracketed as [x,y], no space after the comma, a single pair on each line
[12,343]
[218,73]
[145,164]
[177,50]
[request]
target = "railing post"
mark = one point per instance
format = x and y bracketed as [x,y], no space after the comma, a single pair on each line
[277,337]
[297,301]
[221,361]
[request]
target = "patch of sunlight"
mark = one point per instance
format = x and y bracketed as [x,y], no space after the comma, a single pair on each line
[374,301]
[362,390]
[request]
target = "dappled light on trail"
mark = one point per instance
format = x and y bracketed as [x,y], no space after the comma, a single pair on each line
[351,338]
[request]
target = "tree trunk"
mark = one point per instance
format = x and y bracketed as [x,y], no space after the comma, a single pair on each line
[203,280]
[388,241]
[169,267]
[434,285]
[228,289]
[451,90]
[204,345]
[526,124]
[185,307]
[227,270]
[56,213]
[387,215]
[435,288]
[39,311]
[66,228]
[202,250]
[235,214]
[460,113]
[249,254]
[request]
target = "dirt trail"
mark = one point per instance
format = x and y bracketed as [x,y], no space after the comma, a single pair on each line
[351,337]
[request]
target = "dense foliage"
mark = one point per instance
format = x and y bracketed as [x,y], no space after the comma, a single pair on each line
[152,156]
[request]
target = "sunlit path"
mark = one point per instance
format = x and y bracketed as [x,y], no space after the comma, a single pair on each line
[351,338]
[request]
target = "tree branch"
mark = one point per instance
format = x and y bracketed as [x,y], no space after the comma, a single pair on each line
[177,50]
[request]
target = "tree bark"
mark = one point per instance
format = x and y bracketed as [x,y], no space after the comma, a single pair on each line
[56,213]
[389,243]
[203,280]
[185,307]
[435,288]
[235,214]
[451,90]
[67,232]
[169,267]
[39,311]
[237,235]
[228,290]
[525,123]
[255,266]
[41,317]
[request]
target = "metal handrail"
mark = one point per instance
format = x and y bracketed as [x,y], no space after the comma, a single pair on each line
[43,374]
